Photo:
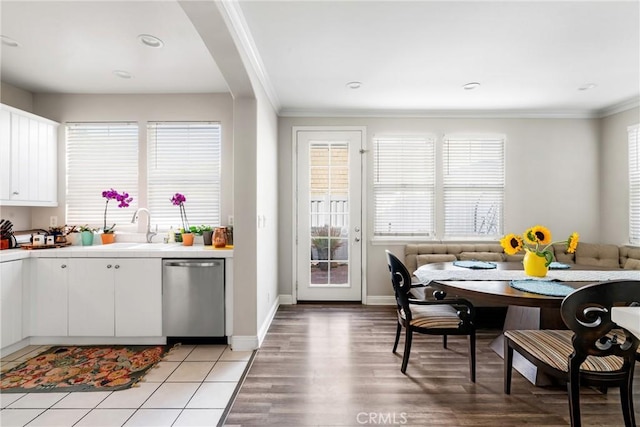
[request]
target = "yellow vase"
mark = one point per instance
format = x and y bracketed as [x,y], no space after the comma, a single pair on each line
[534,265]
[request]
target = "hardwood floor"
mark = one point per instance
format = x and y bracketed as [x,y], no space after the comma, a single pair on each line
[331,365]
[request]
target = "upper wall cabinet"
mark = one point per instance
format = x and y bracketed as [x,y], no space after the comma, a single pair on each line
[28,159]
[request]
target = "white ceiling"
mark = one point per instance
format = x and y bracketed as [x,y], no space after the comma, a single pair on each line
[411,57]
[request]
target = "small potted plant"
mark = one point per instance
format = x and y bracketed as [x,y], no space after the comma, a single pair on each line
[207,234]
[187,236]
[73,235]
[86,234]
[123,199]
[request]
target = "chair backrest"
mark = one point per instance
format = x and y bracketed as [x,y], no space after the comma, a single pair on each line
[401,281]
[587,312]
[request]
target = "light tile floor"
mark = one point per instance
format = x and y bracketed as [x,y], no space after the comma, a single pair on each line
[191,386]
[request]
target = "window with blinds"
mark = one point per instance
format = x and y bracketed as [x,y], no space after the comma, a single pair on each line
[473,187]
[184,158]
[634,184]
[100,156]
[404,187]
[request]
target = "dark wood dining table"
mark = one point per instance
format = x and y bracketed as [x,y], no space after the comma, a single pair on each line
[526,310]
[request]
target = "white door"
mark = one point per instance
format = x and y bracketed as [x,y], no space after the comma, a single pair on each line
[329,219]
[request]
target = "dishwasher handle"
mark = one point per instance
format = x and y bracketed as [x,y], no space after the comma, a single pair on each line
[192,264]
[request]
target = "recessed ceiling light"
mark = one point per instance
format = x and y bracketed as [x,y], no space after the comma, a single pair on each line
[8,41]
[587,86]
[471,86]
[150,41]
[354,85]
[122,74]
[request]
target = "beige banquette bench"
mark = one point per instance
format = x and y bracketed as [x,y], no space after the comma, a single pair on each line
[612,256]
[602,255]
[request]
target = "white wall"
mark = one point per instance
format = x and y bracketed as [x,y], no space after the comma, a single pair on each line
[614,165]
[552,174]
[139,108]
[267,208]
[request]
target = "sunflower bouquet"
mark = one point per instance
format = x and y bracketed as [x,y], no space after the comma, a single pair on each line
[537,240]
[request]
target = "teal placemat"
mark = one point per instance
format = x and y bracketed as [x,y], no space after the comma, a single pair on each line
[475,264]
[558,266]
[542,287]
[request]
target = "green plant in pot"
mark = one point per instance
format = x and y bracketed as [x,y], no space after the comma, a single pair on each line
[87,235]
[326,240]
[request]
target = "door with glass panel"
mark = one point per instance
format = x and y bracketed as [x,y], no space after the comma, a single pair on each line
[329,247]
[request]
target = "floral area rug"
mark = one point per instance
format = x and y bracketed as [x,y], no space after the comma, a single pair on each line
[82,368]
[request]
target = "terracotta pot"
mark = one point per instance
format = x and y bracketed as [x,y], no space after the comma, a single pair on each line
[187,239]
[108,238]
[534,265]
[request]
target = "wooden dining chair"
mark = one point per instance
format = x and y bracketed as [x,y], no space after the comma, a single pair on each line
[594,351]
[438,317]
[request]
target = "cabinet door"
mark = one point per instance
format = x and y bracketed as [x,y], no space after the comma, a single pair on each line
[5,154]
[20,158]
[10,302]
[49,293]
[91,297]
[138,297]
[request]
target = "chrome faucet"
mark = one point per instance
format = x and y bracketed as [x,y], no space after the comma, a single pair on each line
[150,233]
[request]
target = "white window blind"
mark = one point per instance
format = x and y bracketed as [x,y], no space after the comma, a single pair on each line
[473,187]
[404,187]
[100,156]
[634,184]
[184,158]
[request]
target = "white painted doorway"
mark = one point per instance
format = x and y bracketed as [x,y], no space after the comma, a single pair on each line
[329,215]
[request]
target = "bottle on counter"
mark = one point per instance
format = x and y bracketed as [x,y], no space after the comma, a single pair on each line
[171,238]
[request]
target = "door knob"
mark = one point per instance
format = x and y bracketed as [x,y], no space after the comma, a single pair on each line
[357,239]
[108,265]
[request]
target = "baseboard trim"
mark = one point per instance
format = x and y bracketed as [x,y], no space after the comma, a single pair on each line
[98,340]
[262,332]
[244,342]
[381,300]
[285,299]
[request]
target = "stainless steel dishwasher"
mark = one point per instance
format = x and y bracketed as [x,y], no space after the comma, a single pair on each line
[193,297]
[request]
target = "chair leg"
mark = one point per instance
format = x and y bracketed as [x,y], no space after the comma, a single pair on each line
[472,356]
[626,399]
[395,344]
[444,341]
[508,363]
[407,349]
[573,387]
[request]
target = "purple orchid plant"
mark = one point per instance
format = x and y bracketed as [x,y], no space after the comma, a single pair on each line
[123,200]
[178,200]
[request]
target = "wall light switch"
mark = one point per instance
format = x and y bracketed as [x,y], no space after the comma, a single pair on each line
[53,221]
[230,221]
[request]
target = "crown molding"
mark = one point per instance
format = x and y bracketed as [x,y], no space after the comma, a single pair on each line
[620,107]
[235,18]
[442,114]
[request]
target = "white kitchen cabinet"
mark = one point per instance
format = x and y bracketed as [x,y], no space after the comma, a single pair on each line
[138,298]
[11,284]
[91,297]
[49,297]
[115,296]
[28,148]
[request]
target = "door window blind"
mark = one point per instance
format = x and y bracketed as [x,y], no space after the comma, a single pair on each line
[100,156]
[184,158]
[473,187]
[404,187]
[634,184]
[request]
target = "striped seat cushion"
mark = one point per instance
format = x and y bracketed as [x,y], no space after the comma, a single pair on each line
[554,348]
[434,316]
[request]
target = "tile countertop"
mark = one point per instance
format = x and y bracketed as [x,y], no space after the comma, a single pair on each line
[628,318]
[120,250]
